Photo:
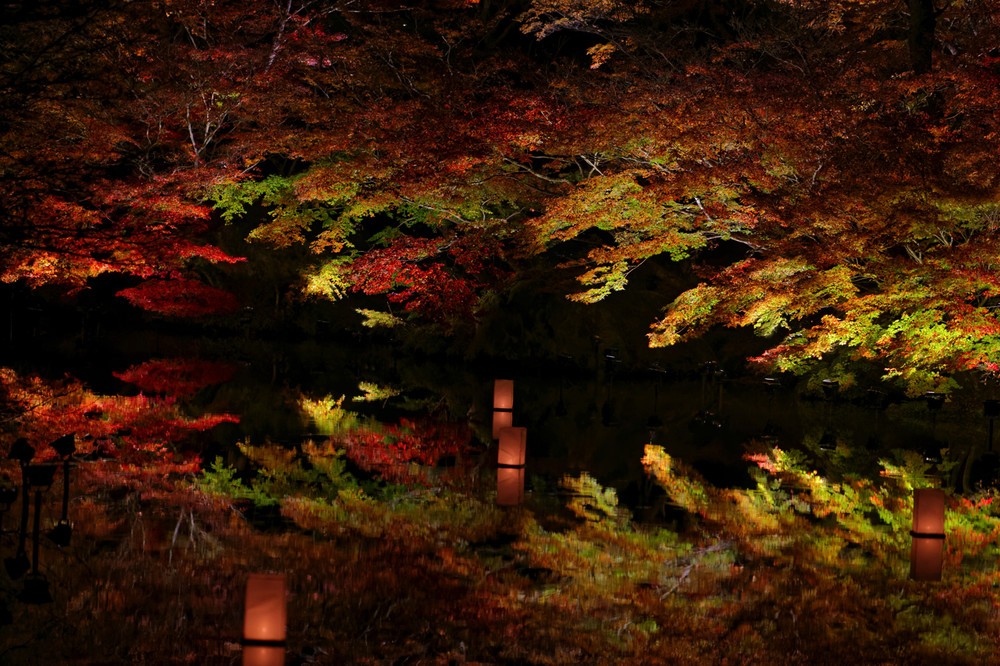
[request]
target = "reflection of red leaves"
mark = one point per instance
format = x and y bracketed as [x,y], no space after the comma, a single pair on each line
[180,298]
[762,460]
[176,377]
[133,430]
[391,449]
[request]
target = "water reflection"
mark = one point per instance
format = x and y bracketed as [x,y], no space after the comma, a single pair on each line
[510,486]
[580,419]
[927,551]
[398,542]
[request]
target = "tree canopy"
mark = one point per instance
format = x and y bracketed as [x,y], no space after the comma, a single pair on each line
[827,169]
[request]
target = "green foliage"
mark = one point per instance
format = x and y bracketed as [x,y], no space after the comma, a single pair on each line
[372,392]
[329,280]
[330,418]
[378,319]
[686,317]
[589,501]
[220,480]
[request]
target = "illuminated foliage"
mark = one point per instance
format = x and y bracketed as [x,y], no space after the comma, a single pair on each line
[804,566]
[826,170]
[139,437]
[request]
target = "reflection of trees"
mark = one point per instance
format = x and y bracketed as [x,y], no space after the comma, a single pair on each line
[805,567]
[141,435]
[400,452]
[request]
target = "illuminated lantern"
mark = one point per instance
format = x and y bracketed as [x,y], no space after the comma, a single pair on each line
[927,553]
[513,443]
[928,512]
[510,486]
[265,612]
[501,419]
[503,394]
[263,655]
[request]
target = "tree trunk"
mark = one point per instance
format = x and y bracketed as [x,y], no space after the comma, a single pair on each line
[921,37]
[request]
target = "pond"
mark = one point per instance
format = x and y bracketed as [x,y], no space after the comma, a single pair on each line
[366,476]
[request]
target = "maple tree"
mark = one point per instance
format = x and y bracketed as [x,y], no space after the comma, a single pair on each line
[824,168]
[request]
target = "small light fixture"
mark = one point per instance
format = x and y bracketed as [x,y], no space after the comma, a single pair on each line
[21,451]
[830,388]
[935,400]
[265,612]
[503,394]
[36,589]
[828,442]
[62,532]
[65,446]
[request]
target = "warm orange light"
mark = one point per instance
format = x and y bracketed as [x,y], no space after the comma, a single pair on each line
[513,444]
[928,511]
[503,394]
[926,558]
[501,420]
[510,486]
[263,655]
[264,616]
[927,552]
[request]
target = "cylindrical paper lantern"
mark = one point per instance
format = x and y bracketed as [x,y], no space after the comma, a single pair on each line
[501,419]
[263,655]
[503,394]
[510,486]
[926,558]
[928,511]
[513,443]
[265,612]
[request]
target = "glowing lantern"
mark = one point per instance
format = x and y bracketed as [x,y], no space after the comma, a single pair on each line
[927,553]
[510,486]
[503,394]
[928,512]
[263,655]
[513,443]
[265,612]
[501,419]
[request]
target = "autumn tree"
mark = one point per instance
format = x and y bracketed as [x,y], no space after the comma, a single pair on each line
[826,168]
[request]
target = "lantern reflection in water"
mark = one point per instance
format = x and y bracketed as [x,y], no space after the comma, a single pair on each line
[263,655]
[265,614]
[510,486]
[510,466]
[927,552]
[927,558]
[501,420]
[513,443]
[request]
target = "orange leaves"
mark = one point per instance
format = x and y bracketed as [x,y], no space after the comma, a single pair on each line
[407,451]
[690,314]
[140,431]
